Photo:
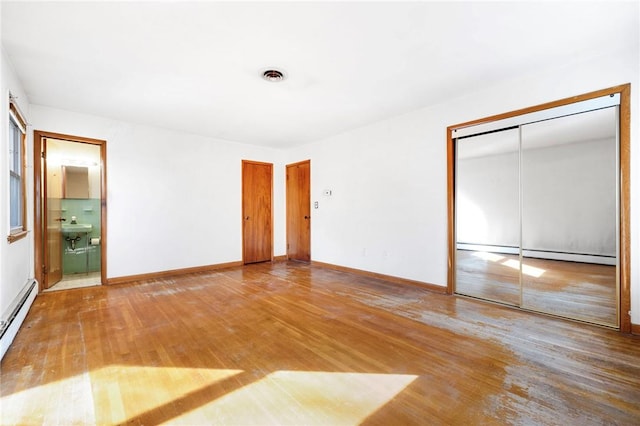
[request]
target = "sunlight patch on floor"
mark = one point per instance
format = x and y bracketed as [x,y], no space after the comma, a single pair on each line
[109,395]
[488,256]
[125,392]
[63,402]
[511,263]
[532,271]
[302,397]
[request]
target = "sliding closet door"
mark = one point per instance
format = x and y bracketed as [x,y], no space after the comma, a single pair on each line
[487,216]
[569,216]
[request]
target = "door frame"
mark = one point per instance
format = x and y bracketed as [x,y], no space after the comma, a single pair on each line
[270,205]
[288,226]
[40,191]
[624,238]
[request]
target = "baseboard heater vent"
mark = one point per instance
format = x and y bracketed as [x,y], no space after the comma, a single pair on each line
[22,298]
[18,304]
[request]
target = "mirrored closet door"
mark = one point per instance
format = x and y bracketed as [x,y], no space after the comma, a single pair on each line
[488,224]
[536,212]
[569,216]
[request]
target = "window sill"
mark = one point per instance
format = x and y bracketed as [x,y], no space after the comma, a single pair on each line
[17,236]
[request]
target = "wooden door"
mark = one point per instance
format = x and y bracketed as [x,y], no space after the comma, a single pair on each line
[256,211]
[53,221]
[299,211]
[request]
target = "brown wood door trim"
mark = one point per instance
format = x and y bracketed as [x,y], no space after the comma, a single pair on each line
[270,165]
[625,188]
[39,192]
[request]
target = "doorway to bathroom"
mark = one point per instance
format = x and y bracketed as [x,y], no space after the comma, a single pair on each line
[70,211]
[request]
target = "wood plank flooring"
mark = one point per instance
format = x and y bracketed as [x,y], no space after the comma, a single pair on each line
[292,343]
[581,291]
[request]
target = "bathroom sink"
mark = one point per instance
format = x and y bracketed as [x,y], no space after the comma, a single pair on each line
[75,228]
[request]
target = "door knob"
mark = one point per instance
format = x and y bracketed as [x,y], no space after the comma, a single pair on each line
[307,217]
[60,219]
[246,218]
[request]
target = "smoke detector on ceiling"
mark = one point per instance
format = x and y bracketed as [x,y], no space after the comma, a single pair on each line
[273,75]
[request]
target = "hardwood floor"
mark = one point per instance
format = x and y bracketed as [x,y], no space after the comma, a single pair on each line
[290,343]
[580,291]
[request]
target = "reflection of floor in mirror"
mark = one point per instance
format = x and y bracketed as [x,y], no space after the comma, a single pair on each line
[71,281]
[576,290]
[486,275]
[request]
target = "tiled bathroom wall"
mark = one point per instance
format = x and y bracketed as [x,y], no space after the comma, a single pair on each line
[87,211]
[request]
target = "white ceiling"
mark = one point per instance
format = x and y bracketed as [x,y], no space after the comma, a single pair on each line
[195,66]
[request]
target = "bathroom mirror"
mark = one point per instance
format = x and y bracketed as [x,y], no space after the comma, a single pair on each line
[75,182]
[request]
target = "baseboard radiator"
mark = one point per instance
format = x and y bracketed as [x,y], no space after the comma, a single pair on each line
[17,312]
[599,259]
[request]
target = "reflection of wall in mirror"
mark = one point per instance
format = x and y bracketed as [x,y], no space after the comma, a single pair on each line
[487,200]
[82,182]
[76,182]
[568,199]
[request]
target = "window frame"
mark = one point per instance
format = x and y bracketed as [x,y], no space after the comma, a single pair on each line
[16,118]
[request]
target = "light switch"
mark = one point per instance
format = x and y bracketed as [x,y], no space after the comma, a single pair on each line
[315,204]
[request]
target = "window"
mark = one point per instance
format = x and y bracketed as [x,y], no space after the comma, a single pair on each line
[17,186]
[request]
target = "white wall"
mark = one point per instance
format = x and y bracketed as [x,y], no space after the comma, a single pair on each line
[388,212]
[174,199]
[385,213]
[16,259]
